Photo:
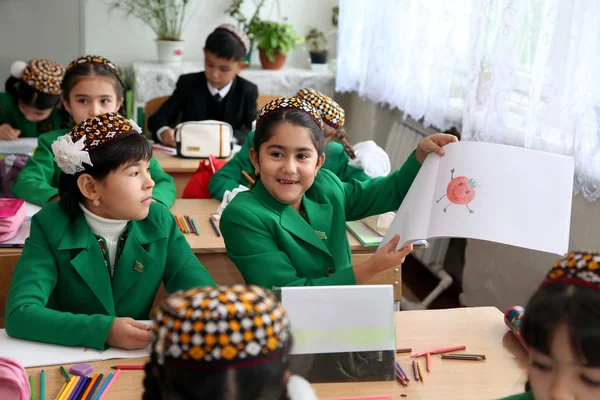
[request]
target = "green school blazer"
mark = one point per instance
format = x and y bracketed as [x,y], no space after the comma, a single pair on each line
[230,175]
[272,245]
[38,181]
[61,291]
[10,114]
[522,396]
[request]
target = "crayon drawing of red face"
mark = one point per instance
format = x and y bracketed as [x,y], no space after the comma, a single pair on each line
[460,191]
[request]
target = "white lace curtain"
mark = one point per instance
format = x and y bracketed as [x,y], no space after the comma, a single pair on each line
[519,72]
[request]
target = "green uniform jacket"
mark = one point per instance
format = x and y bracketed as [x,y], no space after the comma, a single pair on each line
[272,245]
[61,291]
[522,396]
[38,181]
[230,175]
[10,114]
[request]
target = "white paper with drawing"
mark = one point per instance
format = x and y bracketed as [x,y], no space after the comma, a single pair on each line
[493,192]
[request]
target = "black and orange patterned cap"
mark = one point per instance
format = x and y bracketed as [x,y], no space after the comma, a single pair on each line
[93,59]
[218,328]
[72,150]
[331,112]
[44,76]
[289,103]
[578,268]
[238,33]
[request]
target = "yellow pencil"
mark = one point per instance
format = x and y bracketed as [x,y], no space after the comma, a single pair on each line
[70,386]
[62,389]
[420,372]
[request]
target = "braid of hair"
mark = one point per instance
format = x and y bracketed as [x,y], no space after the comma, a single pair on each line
[341,136]
[151,383]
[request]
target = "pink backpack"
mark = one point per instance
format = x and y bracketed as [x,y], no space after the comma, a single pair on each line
[14,383]
[12,215]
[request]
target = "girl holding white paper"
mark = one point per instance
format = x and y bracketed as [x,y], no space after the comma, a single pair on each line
[290,229]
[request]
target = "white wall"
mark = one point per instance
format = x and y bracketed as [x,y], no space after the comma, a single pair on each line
[125,39]
[36,28]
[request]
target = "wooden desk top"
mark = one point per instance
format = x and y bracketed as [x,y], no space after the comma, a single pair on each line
[171,164]
[481,329]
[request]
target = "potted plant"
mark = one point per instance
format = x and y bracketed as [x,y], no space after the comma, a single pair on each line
[317,46]
[274,41]
[167,18]
[247,25]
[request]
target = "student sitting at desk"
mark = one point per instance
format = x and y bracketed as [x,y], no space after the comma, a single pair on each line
[91,86]
[290,229]
[28,107]
[561,327]
[337,155]
[217,93]
[225,343]
[94,261]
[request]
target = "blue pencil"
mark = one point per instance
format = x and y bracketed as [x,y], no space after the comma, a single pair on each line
[103,386]
[78,388]
[42,385]
[403,371]
[212,222]
[95,386]
[84,388]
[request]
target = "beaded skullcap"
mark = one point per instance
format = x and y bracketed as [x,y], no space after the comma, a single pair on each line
[238,33]
[42,75]
[289,103]
[331,112]
[578,268]
[218,328]
[93,59]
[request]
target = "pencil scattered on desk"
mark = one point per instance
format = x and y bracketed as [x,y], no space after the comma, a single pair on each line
[215,228]
[252,181]
[128,367]
[109,385]
[42,385]
[187,224]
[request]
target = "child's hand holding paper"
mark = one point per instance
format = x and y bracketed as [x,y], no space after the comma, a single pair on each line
[433,144]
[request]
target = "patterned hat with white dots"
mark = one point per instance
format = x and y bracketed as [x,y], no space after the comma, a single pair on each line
[331,112]
[218,328]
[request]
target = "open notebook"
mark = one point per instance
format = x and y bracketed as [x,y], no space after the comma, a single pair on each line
[492,192]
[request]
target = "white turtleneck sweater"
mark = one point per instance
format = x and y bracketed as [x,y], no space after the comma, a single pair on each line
[109,229]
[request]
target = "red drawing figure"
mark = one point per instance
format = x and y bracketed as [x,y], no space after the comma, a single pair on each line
[461,190]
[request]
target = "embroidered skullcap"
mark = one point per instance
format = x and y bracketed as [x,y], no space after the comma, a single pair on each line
[218,328]
[289,103]
[39,82]
[331,112]
[238,33]
[73,149]
[93,59]
[577,268]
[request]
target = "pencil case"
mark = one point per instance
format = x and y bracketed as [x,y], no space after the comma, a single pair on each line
[14,383]
[12,215]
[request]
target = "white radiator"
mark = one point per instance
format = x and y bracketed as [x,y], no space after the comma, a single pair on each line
[403,138]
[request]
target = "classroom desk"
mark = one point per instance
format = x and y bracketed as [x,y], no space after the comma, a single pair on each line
[210,250]
[481,329]
[181,169]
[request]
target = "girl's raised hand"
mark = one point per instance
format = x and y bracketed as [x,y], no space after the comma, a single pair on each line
[433,144]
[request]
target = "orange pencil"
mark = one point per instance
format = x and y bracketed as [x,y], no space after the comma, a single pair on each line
[428,360]
[252,181]
[183,224]
[448,349]
[90,386]
[179,223]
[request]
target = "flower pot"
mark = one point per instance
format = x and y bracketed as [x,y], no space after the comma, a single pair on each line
[267,64]
[318,57]
[169,51]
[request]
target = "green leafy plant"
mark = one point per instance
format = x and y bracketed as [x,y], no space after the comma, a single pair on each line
[275,37]
[335,15]
[167,18]
[316,40]
[247,25]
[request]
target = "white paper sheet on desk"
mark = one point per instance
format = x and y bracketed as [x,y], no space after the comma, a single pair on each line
[36,354]
[19,146]
[338,319]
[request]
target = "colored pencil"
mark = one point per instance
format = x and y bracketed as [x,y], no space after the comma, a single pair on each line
[415,371]
[195,227]
[428,360]
[189,223]
[65,373]
[398,351]
[179,224]
[424,353]
[401,379]
[83,388]
[126,367]
[42,385]
[448,349]
[32,387]
[108,379]
[62,389]
[212,222]
[184,224]
[473,355]
[91,384]
[96,384]
[77,389]
[421,375]
[72,383]
[403,371]
[252,181]
[460,357]
[112,381]
[192,226]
